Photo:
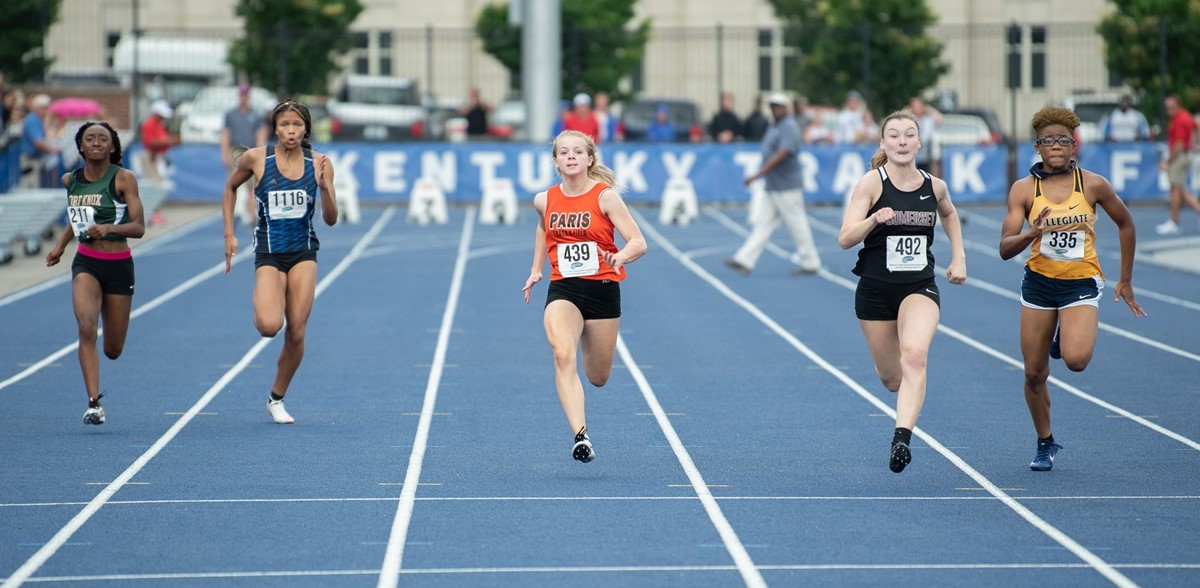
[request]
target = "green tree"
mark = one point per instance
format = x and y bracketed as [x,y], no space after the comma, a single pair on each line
[1133,36]
[598,48]
[291,45]
[21,57]
[878,47]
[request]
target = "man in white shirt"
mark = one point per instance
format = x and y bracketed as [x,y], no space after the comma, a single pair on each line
[1126,123]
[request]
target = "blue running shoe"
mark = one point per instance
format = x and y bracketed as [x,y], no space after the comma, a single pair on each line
[1044,460]
[1055,350]
[901,456]
[582,450]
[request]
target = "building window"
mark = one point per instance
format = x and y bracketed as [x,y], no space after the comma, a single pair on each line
[764,60]
[1037,66]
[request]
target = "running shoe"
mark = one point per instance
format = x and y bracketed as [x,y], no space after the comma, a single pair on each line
[1169,227]
[94,414]
[1044,460]
[736,266]
[1055,350]
[281,416]
[901,456]
[582,450]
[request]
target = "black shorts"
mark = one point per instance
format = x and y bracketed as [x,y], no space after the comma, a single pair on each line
[880,301]
[595,299]
[1044,293]
[115,275]
[283,262]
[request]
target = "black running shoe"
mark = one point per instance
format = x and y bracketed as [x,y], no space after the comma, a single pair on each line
[900,457]
[582,450]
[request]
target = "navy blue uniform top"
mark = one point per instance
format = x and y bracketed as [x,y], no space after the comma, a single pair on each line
[285,209]
[916,214]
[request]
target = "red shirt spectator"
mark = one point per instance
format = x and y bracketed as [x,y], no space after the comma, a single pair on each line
[582,119]
[1180,131]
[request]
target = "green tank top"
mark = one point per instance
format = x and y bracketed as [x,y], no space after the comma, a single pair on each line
[94,203]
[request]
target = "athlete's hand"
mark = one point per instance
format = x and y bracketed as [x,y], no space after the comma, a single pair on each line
[534,277]
[957,272]
[320,169]
[98,231]
[1124,291]
[1039,223]
[230,251]
[883,215]
[615,260]
[53,257]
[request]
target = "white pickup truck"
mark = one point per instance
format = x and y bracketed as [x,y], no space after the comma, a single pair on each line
[378,108]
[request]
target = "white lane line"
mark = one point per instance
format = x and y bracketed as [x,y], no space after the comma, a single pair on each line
[741,558]
[139,249]
[35,561]
[220,501]
[720,217]
[137,312]
[1101,566]
[389,573]
[609,569]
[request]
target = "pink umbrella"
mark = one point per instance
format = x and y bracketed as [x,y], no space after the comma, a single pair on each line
[76,108]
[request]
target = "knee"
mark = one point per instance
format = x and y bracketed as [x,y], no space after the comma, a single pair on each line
[598,380]
[564,358]
[266,327]
[113,351]
[1077,363]
[1034,379]
[913,360]
[294,335]
[892,383]
[87,331]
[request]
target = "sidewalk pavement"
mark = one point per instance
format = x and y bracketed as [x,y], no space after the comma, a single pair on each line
[27,270]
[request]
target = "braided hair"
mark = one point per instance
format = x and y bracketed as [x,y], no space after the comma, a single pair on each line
[114,157]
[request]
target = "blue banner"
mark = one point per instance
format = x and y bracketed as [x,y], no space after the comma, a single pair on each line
[387,171]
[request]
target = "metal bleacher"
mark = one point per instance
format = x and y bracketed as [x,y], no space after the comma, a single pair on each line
[25,214]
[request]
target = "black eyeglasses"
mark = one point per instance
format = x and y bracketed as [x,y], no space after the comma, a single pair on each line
[1048,141]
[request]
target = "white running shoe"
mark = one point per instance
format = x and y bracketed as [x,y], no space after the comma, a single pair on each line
[94,416]
[280,414]
[582,450]
[1168,228]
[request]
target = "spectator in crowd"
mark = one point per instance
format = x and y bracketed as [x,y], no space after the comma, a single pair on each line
[1125,123]
[854,120]
[564,109]
[755,125]
[581,117]
[476,112]
[784,200]
[816,131]
[725,126]
[800,112]
[244,128]
[5,104]
[661,130]
[1181,129]
[35,145]
[928,119]
[610,125]
[156,140]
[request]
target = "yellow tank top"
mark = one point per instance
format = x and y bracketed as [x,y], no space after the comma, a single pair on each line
[1066,249]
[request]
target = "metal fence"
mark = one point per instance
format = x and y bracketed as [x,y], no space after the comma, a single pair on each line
[1012,70]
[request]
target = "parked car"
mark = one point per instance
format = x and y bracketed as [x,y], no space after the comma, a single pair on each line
[684,115]
[970,126]
[202,119]
[378,108]
[1093,109]
[507,121]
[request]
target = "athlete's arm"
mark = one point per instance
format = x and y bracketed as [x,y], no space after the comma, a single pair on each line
[329,210]
[1099,188]
[1020,199]
[856,225]
[127,188]
[539,245]
[246,165]
[956,273]
[635,245]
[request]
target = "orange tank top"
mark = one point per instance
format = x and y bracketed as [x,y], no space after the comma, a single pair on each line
[576,232]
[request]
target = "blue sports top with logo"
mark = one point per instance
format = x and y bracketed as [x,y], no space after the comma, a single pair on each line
[285,209]
[898,252]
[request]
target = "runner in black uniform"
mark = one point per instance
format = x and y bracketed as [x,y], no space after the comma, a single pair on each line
[892,211]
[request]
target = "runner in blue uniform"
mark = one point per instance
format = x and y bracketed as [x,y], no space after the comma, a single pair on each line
[289,177]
